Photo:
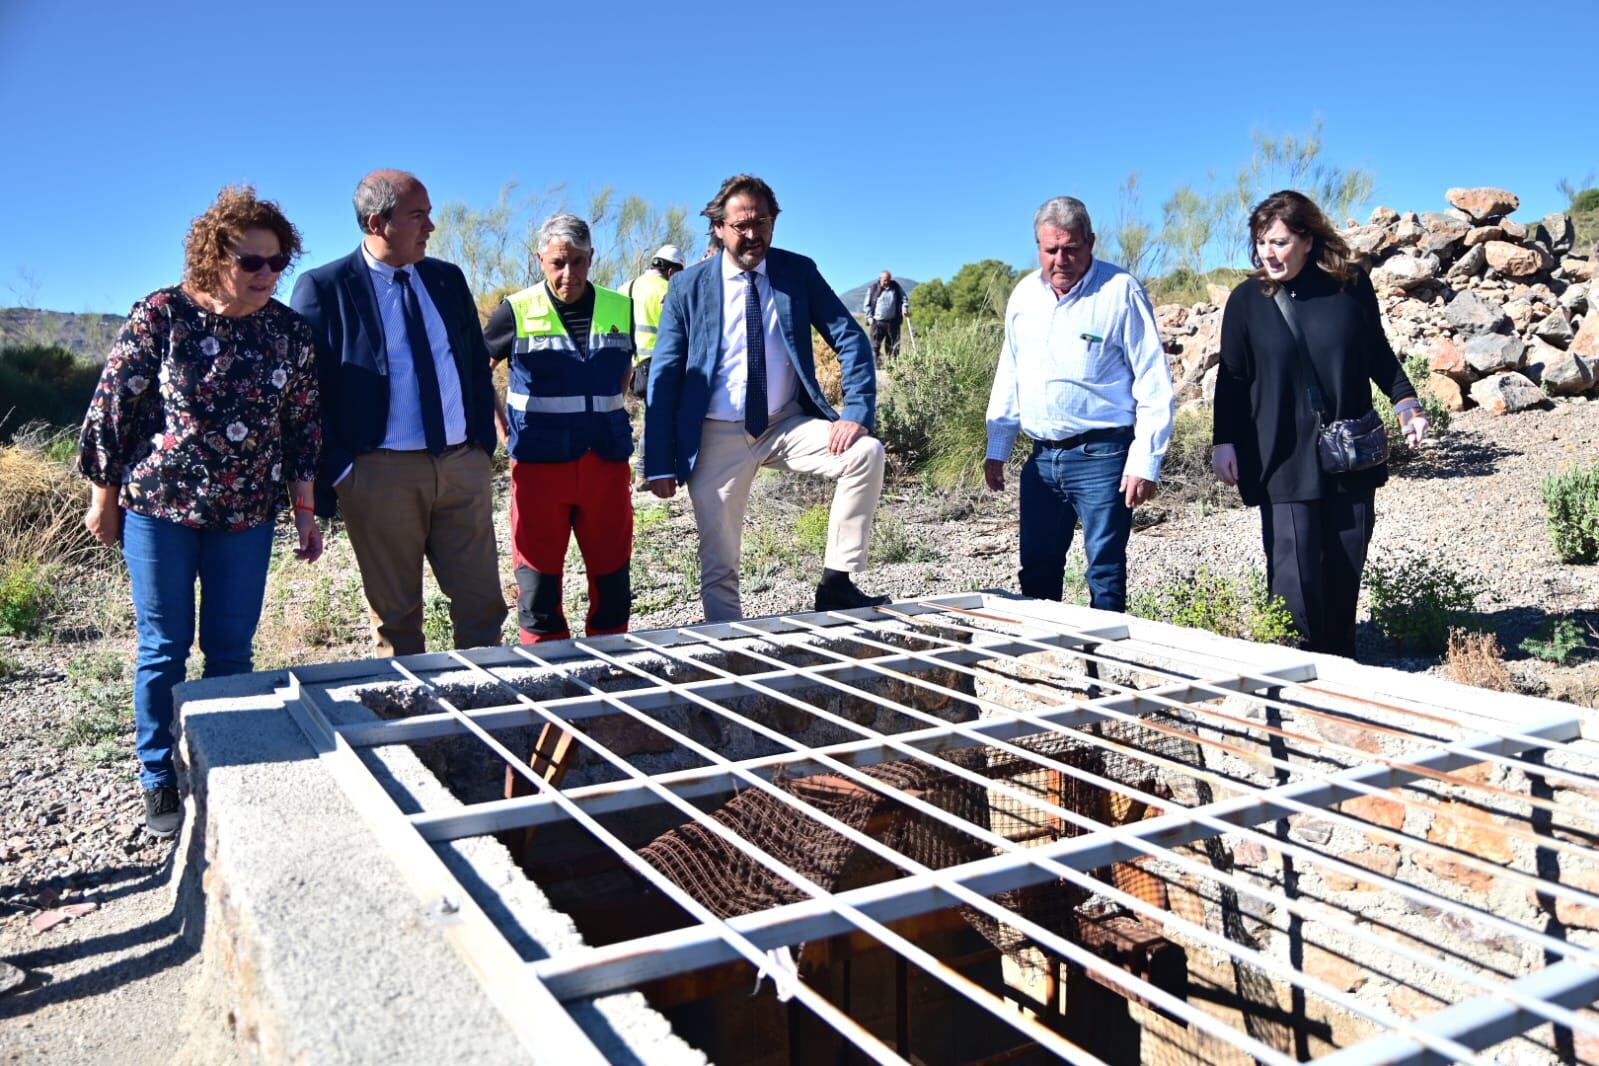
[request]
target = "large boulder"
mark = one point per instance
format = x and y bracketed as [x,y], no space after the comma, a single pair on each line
[1382,216]
[1370,241]
[1470,313]
[1586,342]
[1567,375]
[1484,234]
[1516,260]
[1446,391]
[1443,233]
[1558,232]
[1405,271]
[1577,269]
[1488,353]
[1506,394]
[1575,299]
[1471,264]
[1444,358]
[1484,201]
[1555,328]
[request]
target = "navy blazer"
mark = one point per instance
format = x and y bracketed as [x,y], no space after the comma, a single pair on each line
[689,344]
[338,300]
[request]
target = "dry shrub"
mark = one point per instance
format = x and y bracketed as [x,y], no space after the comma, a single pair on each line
[42,500]
[829,373]
[1476,659]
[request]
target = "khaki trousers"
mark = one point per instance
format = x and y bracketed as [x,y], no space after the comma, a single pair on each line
[402,507]
[720,490]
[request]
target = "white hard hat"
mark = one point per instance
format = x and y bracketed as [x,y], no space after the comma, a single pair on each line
[669,253]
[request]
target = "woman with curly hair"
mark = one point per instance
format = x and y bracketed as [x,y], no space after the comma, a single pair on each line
[1301,345]
[204,423]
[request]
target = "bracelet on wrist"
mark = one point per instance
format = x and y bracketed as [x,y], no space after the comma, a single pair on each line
[298,507]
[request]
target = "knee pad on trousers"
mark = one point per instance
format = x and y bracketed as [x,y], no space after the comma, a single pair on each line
[613,600]
[538,601]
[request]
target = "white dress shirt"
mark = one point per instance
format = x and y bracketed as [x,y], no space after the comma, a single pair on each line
[404,431]
[732,367]
[1091,359]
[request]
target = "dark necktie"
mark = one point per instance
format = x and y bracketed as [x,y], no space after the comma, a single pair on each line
[755,349]
[427,375]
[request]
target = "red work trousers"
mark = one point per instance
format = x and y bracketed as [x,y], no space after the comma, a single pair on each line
[591,497]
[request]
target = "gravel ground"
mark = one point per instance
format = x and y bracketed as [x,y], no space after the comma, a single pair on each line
[70,834]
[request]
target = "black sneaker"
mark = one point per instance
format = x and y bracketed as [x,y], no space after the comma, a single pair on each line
[845,597]
[162,811]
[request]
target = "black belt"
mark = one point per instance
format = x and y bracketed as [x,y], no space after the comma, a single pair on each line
[1113,433]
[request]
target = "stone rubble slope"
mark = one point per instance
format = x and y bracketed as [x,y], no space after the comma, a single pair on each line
[1498,307]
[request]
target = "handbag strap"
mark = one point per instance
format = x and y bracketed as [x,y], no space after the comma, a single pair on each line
[1285,305]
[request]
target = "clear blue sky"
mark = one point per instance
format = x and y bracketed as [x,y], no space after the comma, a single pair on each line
[916,137]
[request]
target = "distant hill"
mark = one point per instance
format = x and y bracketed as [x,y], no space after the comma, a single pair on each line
[86,335]
[854,298]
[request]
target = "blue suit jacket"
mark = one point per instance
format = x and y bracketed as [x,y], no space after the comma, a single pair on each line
[689,344]
[338,300]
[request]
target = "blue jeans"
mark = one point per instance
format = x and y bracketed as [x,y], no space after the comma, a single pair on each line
[164,559]
[1059,486]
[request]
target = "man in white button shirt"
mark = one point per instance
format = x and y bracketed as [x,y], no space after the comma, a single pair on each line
[733,388]
[1083,373]
[408,419]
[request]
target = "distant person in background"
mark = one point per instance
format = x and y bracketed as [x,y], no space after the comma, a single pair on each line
[570,344]
[204,424]
[885,311]
[648,292]
[1315,526]
[733,388]
[1083,373]
[408,419]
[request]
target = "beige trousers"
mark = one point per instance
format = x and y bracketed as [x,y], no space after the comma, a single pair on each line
[402,507]
[720,490]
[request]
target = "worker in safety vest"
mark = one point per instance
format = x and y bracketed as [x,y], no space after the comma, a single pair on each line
[570,344]
[648,292]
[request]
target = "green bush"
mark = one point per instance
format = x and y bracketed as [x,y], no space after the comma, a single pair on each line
[1566,639]
[43,383]
[1185,475]
[28,597]
[1571,504]
[892,542]
[810,530]
[1184,286]
[1207,599]
[1416,601]
[934,410]
[101,725]
[437,627]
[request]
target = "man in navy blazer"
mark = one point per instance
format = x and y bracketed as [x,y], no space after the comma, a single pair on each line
[733,388]
[408,419]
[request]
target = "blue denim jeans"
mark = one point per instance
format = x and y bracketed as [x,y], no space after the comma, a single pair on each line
[164,559]
[1059,486]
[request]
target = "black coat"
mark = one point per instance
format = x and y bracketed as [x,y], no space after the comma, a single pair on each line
[1262,405]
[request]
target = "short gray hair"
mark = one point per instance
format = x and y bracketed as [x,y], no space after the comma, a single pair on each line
[1064,212]
[379,194]
[567,228]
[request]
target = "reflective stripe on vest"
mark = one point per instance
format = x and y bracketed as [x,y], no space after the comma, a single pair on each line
[539,325]
[563,405]
[648,291]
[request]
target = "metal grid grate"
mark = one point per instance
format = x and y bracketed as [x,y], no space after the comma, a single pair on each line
[1109,757]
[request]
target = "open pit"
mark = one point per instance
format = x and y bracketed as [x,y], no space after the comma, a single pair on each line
[974,829]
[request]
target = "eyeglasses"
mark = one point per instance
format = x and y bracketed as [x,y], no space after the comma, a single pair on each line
[748,226]
[251,263]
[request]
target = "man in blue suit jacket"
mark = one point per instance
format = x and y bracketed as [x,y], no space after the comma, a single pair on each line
[408,419]
[733,388]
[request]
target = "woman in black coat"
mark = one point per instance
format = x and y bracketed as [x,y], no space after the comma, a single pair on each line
[1315,526]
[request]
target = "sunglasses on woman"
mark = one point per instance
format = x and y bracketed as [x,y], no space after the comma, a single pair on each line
[250,262]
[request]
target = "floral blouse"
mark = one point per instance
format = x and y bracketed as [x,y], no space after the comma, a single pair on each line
[201,418]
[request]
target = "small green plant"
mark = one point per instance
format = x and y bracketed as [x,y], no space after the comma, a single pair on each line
[437,629]
[1207,599]
[9,667]
[647,518]
[1415,601]
[1571,505]
[810,530]
[892,542]
[1566,639]
[102,721]
[28,597]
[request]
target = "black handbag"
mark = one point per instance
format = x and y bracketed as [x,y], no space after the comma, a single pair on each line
[1348,444]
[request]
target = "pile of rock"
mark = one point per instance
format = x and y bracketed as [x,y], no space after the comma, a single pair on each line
[1499,308]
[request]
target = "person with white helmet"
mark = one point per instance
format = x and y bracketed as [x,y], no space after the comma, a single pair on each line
[648,293]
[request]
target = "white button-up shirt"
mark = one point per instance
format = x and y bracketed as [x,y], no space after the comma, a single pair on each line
[404,431]
[732,368]
[1091,359]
